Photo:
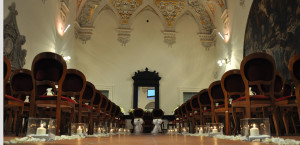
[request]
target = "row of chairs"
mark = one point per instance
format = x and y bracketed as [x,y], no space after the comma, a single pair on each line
[70,99]
[231,99]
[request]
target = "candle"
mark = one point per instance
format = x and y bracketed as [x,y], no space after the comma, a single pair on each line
[201,130]
[41,130]
[254,131]
[99,130]
[79,130]
[112,130]
[215,130]
[175,130]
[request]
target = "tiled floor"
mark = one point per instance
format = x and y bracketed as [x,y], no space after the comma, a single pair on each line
[146,139]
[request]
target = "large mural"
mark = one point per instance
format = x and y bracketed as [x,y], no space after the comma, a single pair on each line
[273,28]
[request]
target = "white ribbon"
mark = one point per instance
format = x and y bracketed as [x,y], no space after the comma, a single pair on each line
[157,126]
[138,128]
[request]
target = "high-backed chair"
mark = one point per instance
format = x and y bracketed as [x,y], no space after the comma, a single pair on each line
[258,70]
[294,69]
[196,109]
[205,105]
[6,71]
[50,68]
[189,115]
[22,85]
[217,99]
[88,104]
[233,88]
[157,114]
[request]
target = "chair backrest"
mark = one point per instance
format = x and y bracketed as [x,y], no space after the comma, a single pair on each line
[157,113]
[294,68]
[104,102]
[7,69]
[287,89]
[108,107]
[74,84]
[188,107]
[258,69]
[204,99]
[195,103]
[48,69]
[113,109]
[278,85]
[97,99]
[232,84]
[138,113]
[22,83]
[118,111]
[89,94]
[49,66]
[215,93]
[183,109]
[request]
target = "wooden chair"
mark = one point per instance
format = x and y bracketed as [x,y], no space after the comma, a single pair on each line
[258,70]
[96,115]
[22,85]
[138,113]
[294,69]
[88,104]
[233,88]
[205,105]
[196,110]
[217,99]
[50,68]
[157,114]
[189,116]
[285,101]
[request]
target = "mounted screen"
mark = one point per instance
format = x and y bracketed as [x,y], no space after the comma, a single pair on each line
[151,93]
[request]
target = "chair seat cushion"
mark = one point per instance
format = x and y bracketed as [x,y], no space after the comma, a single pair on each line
[255,97]
[13,98]
[286,98]
[207,110]
[45,97]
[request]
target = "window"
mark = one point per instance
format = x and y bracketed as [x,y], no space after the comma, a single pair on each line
[151,93]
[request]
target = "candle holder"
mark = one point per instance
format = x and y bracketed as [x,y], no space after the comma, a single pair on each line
[202,129]
[80,129]
[43,128]
[184,130]
[215,129]
[255,128]
[98,129]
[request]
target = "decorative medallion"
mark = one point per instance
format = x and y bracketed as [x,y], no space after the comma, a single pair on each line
[170,9]
[126,8]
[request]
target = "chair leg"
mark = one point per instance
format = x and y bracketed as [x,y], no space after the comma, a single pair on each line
[275,120]
[285,122]
[294,124]
[227,123]
[297,91]
[234,120]
[8,124]
[15,120]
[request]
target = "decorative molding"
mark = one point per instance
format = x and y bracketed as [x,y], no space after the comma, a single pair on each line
[169,37]
[83,33]
[64,9]
[13,40]
[126,8]
[205,19]
[208,40]
[123,35]
[86,12]
[170,9]
[224,18]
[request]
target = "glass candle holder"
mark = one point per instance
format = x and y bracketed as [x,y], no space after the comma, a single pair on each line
[80,129]
[255,128]
[215,129]
[201,129]
[98,129]
[43,128]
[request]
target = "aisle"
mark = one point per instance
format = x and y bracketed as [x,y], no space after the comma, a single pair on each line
[146,139]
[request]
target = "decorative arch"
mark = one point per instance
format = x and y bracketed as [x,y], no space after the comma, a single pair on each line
[190,13]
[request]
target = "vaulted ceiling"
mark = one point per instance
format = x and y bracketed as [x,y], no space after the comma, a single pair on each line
[168,11]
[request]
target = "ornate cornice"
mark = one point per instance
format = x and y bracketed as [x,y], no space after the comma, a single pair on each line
[208,40]
[170,9]
[169,37]
[83,33]
[126,8]
[123,35]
